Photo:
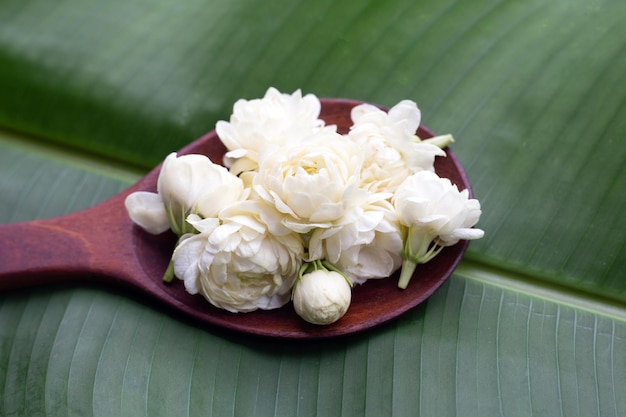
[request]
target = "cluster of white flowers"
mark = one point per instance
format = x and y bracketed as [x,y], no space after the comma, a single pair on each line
[300,211]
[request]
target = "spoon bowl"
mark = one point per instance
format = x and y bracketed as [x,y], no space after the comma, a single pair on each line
[102,244]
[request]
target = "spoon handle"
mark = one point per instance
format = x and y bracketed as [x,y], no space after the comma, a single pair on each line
[90,244]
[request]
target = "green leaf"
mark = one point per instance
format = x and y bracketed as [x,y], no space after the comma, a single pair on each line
[533,322]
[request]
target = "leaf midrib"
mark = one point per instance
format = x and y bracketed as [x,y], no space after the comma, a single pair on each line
[535,286]
[77,157]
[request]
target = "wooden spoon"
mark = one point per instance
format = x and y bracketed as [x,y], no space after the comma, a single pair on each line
[101,244]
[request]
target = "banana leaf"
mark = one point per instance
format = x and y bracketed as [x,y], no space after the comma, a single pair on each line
[533,321]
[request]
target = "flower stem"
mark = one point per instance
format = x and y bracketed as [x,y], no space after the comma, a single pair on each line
[441,141]
[168,276]
[406,273]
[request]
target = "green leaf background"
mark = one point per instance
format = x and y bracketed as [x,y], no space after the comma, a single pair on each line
[533,322]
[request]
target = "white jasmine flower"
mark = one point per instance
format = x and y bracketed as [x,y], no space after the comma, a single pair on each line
[435,214]
[275,119]
[193,184]
[312,183]
[302,212]
[147,211]
[322,296]
[186,184]
[391,149]
[366,245]
[235,263]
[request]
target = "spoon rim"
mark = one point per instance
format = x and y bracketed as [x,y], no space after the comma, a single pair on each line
[374,303]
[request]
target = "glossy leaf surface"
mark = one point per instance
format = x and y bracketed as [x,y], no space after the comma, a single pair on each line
[534,321]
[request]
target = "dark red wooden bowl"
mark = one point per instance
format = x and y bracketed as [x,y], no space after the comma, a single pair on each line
[101,244]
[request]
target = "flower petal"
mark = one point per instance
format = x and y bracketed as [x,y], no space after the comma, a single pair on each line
[147,210]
